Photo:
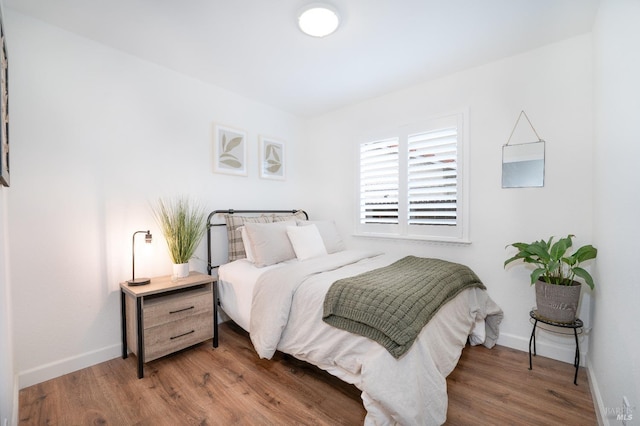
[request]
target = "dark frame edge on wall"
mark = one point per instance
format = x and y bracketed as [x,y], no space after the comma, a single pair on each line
[4,107]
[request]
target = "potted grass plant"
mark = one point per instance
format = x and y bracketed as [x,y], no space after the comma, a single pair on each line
[182,223]
[554,274]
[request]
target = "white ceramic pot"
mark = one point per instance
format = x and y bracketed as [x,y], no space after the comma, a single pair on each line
[180,270]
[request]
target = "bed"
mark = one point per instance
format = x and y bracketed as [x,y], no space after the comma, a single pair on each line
[280,296]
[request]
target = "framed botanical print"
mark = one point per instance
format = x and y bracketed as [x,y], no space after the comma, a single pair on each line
[272,158]
[4,109]
[229,150]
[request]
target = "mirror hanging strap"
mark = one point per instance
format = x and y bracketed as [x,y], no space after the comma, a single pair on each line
[516,125]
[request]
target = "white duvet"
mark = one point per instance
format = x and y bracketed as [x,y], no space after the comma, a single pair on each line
[286,315]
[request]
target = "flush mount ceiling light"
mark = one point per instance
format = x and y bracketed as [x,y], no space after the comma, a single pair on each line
[318,20]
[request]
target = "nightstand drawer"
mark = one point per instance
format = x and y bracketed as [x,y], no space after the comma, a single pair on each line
[173,336]
[177,306]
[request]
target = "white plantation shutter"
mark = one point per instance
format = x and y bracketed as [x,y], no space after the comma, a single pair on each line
[432,177]
[379,182]
[412,184]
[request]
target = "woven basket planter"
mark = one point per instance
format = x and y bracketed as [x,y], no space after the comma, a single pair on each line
[558,303]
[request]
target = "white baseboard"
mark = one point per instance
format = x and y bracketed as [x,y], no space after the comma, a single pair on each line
[68,365]
[16,401]
[513,341]
[559,352]
[598,403]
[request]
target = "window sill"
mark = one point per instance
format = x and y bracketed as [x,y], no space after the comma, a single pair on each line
[424,238]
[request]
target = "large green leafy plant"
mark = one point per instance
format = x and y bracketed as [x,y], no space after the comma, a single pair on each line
[553,262]
[183,224]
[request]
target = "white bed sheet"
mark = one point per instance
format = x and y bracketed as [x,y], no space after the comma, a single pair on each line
[236,281]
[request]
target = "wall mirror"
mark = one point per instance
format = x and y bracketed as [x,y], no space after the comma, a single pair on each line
[523,165]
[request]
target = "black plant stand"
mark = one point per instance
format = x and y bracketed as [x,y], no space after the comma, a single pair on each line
[577,326]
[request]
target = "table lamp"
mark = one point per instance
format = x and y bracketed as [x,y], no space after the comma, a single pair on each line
[134,280]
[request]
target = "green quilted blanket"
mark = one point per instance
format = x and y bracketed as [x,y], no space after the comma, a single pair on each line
[392,304]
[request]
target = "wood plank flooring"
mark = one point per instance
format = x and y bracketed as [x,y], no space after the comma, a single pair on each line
[231,386]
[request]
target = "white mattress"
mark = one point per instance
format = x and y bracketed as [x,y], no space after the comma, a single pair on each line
[236,281]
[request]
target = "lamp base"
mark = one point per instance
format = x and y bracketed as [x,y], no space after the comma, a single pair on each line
[139,281]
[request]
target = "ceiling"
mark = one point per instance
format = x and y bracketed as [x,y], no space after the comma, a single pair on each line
[254,48]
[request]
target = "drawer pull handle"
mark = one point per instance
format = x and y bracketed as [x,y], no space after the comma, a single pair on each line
[181,310]
[181,335]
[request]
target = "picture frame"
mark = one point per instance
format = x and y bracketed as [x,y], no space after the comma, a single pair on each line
[4,108]
[229,150]
[272,158]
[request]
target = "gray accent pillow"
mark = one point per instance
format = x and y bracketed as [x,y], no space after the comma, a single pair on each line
[329,233]
[299,215]
[269,242]
[234,237]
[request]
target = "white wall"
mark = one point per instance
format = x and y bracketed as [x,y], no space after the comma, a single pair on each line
[554,86]
[97,135]
[615,348]
[8,377]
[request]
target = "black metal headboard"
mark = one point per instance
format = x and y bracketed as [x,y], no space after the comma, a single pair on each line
[210,267]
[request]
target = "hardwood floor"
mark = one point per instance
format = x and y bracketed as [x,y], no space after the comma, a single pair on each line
[495,386]
[230,385]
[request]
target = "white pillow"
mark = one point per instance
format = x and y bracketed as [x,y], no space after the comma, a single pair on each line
[246,243]
[306,241]
[269,242]
[236,247]
[329,233]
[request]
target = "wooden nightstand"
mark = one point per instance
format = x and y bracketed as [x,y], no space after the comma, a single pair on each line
[165,316]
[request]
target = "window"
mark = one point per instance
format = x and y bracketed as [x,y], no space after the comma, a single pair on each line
[412,184]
